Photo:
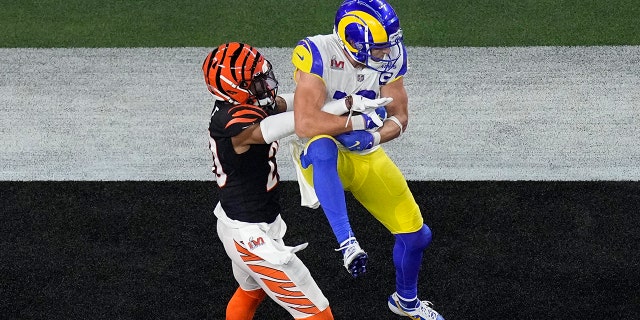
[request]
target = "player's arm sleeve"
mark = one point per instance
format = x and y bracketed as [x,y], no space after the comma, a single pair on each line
[277,126]
[337,107]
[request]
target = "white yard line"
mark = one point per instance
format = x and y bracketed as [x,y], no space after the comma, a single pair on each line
[533,113]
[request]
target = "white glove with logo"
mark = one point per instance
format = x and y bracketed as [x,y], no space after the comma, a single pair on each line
[362,104]
[370,120]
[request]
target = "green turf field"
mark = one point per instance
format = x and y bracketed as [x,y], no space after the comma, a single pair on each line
[434,23]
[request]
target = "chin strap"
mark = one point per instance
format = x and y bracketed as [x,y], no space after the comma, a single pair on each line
[266,103]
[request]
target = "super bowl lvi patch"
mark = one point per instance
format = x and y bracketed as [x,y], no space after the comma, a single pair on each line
[259,243]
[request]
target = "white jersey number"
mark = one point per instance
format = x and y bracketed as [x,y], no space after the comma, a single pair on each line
[272,179]
[221,176]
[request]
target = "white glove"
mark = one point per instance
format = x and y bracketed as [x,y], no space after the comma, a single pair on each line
[361,104]
[297,248]
[370,120]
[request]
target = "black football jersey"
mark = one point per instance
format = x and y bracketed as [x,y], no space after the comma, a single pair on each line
[248,181]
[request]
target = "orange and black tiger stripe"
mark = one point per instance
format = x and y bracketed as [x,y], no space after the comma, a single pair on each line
[278,282]
[245,114]
[229,68]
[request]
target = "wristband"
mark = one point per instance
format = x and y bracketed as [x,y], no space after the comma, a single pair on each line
[288,98]
[357,123]
[396,121]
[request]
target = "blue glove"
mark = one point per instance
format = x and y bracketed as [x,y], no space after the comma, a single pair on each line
[381,112]
[371,120]
[358,140]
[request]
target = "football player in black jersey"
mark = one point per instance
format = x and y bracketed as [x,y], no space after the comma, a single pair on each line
[247,120]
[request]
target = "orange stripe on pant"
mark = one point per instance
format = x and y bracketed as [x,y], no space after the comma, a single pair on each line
[283,288]
[245,254]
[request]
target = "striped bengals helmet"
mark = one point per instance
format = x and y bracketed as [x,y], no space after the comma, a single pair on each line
[237,73]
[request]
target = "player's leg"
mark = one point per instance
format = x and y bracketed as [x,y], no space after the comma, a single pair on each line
[321,155]
[289,284]
[385,193]
[380,187]
[407,258]
[293,288]
[245,301]
[243,304]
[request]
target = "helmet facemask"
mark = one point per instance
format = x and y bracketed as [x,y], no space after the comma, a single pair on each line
[369,53]
[264,88]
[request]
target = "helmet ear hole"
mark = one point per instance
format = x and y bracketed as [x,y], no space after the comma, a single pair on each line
[243,84]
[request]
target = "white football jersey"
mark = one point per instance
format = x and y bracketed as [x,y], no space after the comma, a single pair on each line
[323,55]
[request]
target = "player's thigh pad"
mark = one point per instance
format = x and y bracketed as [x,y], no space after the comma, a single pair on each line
[290,285]
[240,272]
[345,166]
[382,189]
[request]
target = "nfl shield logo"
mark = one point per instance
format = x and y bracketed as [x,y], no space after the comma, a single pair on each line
[360,77]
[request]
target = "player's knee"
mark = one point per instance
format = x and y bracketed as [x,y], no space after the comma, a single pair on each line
[418,240]
[426,236]
[322,150]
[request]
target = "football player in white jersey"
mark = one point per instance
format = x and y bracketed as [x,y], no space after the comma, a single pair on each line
[359,67]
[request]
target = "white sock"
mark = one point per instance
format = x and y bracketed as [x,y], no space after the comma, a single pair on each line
[408,302]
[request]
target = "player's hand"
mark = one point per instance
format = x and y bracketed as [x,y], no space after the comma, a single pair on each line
[362,104]
[371,120]
[381,113]
[359,140]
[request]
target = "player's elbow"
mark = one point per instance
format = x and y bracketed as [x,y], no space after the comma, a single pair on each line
[304,127]
[404,121]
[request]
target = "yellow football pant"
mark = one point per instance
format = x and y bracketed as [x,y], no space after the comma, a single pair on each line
[377,183]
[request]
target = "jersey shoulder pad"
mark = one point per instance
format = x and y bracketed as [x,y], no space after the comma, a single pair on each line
[232,119]
[245,114]
[307,57]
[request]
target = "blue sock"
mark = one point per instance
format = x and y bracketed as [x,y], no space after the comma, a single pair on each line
[407,258]
[323,155]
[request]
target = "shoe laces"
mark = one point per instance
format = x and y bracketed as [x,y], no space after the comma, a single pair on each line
[349,246]
[424,305]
